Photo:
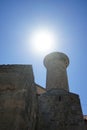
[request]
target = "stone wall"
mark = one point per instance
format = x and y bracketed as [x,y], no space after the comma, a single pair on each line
[59,110]
[22,109]
[40,90]
[85,120]
[18,103]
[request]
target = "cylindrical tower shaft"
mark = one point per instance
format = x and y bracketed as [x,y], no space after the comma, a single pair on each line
[56,64]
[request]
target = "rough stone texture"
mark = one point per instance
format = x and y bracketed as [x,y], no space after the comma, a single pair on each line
[85,120]
[17,98]
[59,110]
[56,64]
[85,124]
[56,109]
[40,90]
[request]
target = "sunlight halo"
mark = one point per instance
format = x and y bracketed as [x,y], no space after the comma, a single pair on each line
[42,40]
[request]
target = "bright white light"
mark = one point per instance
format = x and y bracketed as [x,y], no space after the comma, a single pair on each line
[42,40]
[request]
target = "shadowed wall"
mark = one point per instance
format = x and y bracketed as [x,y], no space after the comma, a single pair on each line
[17,98]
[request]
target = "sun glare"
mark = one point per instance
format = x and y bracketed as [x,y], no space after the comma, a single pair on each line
[42,40]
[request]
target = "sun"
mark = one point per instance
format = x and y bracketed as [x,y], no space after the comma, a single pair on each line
[42,40]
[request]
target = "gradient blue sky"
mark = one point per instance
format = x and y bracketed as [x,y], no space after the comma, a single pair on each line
[67,18]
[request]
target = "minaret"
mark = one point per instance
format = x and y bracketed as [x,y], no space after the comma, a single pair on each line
[56,64]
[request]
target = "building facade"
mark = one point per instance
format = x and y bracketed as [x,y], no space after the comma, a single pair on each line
[25,105]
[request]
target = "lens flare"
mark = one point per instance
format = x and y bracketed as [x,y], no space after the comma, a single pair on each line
[42,40]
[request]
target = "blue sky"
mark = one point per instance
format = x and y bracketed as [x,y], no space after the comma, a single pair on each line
[67,18]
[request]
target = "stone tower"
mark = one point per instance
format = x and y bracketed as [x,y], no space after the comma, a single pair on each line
[58,109]
[56,64]
[22,108]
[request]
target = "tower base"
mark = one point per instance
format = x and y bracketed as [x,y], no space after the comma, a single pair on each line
[59,110]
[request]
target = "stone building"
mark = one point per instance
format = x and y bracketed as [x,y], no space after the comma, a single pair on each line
[25,105]
[85,120]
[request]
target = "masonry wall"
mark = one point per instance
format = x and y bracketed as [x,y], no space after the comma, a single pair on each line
[22,109]
[59,110]
[40,90]
[18,103]
[85,120]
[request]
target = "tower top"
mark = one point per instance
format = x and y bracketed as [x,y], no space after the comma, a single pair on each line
[56,56]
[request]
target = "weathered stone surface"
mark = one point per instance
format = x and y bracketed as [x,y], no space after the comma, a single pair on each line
[17,98]
[59,110]
[56,64]
[40,90]
[56,109]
